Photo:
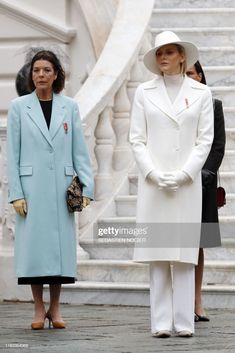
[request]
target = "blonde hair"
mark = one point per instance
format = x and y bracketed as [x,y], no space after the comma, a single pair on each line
[181,50]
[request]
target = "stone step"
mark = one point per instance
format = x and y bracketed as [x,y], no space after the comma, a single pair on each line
[193,17]
[219,272]
[220,75]
[230,138]
[224,93]
[201,36]
[227,178]
[110,293]
[215,271]
[228,163]
[194,3]
[227,181]
[119,220]
[225,252]
[216,55]
[227,224]
[229,116]
[126,205]
[112,271]
[107,251]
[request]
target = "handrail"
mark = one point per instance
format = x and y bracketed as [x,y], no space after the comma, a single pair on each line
[55,30]
[99,16]
[118,55]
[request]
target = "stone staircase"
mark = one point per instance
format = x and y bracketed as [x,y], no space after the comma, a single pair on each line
[109,276]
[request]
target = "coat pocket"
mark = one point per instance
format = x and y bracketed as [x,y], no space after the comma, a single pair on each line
[69,171]
[26,170]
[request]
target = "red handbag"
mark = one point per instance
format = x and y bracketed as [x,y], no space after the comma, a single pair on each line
[221,196]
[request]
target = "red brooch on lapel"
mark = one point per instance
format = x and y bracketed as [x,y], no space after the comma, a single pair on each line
[66,127]
[186,102]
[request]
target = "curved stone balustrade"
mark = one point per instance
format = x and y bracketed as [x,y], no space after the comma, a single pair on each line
[111,83]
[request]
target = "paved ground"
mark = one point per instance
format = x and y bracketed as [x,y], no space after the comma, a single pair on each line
[109,329]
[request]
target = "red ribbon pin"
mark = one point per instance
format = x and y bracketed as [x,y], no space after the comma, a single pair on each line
[186,102]
[66,127]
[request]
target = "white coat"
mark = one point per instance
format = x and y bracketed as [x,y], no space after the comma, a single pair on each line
[170,137]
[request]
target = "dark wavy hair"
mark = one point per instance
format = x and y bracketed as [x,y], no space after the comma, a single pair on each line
[198,68]
[48,55]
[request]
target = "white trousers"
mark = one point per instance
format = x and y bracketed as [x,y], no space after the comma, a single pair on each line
[172,296]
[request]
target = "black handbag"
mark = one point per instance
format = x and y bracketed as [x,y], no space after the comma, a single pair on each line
[74,196]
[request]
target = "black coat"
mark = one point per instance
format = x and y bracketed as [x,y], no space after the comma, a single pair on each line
[210,229]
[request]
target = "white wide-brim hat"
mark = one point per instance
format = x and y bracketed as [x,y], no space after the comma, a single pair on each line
[168,37]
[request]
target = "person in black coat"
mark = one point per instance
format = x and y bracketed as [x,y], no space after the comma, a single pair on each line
[210,232]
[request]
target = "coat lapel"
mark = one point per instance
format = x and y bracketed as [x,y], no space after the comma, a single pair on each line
[57,115]
[188,94]
[156,93]
[36,115]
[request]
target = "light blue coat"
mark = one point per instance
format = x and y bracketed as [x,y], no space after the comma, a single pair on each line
[41,165]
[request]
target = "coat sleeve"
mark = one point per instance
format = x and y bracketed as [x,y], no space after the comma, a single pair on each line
[138,135]
[15,191]
[216,154]
[204,138]
[81,159]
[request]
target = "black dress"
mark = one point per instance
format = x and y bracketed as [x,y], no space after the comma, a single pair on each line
[46,108]
[210,234]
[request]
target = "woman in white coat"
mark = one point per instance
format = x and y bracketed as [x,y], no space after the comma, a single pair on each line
[46,147]
[171,134]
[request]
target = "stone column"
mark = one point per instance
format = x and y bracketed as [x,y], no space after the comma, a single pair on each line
[104,154]
[136,77]
[122,155]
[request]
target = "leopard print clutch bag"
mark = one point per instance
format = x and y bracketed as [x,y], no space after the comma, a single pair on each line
[74,196]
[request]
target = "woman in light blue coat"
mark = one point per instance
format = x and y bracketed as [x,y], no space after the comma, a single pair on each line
[46,147]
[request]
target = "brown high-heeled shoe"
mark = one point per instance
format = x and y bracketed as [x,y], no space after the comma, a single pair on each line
[38,325]
[55,324]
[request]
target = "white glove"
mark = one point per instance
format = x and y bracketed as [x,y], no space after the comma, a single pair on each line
[20,207]
[180,178]
[161,179]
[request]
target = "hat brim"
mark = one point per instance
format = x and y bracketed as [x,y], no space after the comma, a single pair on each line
[191,56]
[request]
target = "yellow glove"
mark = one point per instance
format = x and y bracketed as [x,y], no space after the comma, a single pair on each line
[85,201]
[20,207]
